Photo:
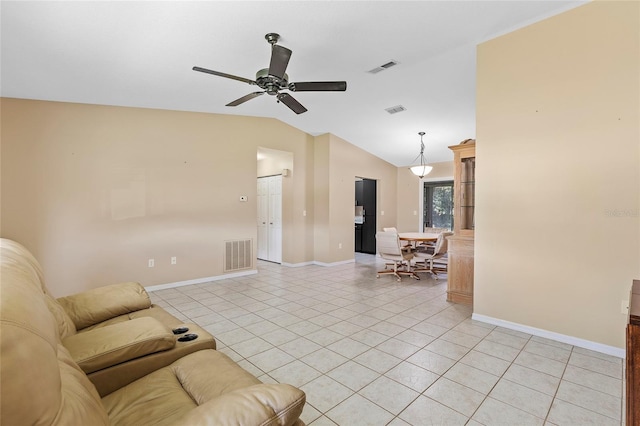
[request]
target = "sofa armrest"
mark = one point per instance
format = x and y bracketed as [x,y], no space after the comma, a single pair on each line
[263,404]
[103,303]
[103,347]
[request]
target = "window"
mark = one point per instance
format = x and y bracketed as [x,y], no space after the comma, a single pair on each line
[438,204]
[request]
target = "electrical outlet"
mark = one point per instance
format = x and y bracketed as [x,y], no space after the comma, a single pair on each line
[174,260]
[624,307]
[304,212]
[152,263]
[339,245]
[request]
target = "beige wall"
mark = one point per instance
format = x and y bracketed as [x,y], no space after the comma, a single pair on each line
[321,200]
[96,191]
[558,176]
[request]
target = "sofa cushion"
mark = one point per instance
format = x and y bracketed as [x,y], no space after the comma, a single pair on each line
[110,379]
[153,311]
[107,346]
[205,387]
[264,405]
[102,303]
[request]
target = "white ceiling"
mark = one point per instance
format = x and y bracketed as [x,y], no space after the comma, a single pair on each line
[140,54]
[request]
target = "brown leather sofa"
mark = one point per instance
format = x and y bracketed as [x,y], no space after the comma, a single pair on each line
[113,333]
[51,348]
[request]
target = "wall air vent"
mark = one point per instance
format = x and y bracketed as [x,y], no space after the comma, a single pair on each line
[383,67]
[237,255]
[396,109]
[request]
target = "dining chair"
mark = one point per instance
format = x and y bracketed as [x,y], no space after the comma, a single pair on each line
[432,262]
[430,246]
[395,231]
[389,248]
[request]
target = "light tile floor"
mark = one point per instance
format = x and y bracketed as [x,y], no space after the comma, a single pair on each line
[373,351]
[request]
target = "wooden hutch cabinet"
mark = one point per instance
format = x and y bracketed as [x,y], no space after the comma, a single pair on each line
[633,356]
[460,244]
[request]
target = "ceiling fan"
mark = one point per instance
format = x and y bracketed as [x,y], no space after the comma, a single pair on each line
[274,79]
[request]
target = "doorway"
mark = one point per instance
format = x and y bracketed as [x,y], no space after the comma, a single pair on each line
[365,215]
[438,204]
[269,199]
[272,194]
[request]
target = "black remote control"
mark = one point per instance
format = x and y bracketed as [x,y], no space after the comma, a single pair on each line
[187,337]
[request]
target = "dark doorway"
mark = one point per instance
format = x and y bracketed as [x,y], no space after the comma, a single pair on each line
[365,222]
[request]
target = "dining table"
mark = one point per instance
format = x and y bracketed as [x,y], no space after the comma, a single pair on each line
[418,237]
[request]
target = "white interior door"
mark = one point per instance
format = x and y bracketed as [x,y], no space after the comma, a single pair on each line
[270,218]
[275,219]
[263,219]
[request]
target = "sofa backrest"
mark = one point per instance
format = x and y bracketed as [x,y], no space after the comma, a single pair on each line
[40,382]
[19,257]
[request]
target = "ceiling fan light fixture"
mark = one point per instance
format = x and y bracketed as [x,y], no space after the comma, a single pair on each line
[422,169]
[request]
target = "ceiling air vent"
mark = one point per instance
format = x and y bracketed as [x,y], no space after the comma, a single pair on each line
[383,67]
[395,109]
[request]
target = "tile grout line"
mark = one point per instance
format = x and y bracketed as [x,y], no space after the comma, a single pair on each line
[296,296]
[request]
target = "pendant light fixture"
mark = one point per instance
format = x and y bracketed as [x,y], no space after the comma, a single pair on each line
[422,170]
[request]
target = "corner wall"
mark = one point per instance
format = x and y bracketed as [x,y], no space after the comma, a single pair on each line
[337,163]
[558,172]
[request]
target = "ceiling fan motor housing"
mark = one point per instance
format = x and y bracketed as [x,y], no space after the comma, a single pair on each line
[270,83]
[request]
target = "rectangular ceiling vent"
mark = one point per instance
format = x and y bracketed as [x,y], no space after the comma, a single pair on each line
[383,67]
[396,109]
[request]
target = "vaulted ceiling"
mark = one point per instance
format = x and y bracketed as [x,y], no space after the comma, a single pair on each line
[141,54]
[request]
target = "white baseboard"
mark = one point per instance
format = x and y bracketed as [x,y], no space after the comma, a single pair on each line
[563,338]
[342,262]
[201,280]
[297,265]
[315,262]
[240,274]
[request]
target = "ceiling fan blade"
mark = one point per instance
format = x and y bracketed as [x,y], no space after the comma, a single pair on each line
[221,74]
[279,60]
[245,98]
[289,101]
[319,86]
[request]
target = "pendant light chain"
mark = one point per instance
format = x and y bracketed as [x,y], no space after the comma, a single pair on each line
[422,170]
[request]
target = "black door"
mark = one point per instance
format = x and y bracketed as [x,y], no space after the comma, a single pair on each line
[369,226]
